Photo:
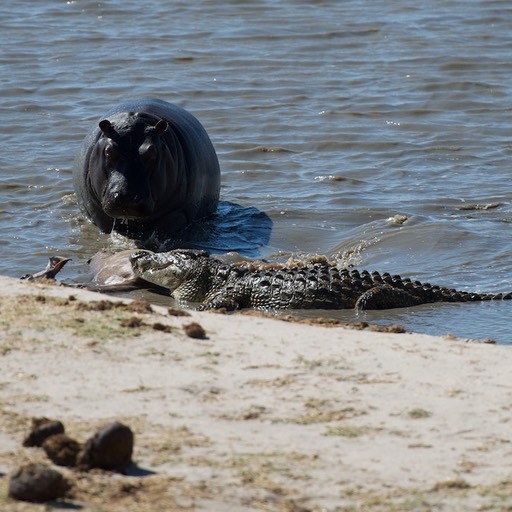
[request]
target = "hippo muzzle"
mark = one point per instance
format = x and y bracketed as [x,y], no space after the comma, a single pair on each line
[120,202]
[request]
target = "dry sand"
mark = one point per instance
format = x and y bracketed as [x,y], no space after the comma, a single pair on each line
[261,414]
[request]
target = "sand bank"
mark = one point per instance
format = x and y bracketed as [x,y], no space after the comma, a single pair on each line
[260,414]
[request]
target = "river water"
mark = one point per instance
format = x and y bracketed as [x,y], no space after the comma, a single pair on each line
[373,131]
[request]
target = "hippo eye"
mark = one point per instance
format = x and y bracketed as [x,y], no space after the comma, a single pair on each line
[111,153]
[148,153]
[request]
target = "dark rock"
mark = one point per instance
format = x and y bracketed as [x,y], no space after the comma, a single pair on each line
[62,449]
[194,330]
[37,483]
[110,448]
[42,428]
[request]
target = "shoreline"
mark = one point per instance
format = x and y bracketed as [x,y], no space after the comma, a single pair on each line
[260,414]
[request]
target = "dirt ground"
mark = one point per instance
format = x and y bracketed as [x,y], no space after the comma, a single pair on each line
[253,413]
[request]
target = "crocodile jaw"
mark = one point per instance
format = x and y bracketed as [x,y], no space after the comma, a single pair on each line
[166,272]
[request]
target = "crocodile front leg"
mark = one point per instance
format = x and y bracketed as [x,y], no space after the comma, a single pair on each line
[226,299]
[387,297]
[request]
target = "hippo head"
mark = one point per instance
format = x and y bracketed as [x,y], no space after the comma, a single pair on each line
[125,163]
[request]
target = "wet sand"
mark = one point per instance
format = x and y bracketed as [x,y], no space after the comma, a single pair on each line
[257,414]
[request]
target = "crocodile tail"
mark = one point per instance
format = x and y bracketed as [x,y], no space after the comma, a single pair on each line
[450,295]
[498,296]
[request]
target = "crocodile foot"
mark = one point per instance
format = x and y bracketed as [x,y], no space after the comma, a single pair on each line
[386,297]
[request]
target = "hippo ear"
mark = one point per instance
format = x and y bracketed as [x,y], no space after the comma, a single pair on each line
[105,126]
[161,126]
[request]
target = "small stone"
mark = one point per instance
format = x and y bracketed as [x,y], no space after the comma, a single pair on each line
[37,483]
[62,450]
[42,428]
[177,312]
[133,321]
[162,327]
[110,448]
[398,219]
[194,330]
[139,306]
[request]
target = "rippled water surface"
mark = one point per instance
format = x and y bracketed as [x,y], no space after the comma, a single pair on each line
[377,132]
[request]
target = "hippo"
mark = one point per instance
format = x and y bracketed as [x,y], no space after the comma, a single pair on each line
[147,167]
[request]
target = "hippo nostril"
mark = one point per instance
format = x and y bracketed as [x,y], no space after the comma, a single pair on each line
[137,201]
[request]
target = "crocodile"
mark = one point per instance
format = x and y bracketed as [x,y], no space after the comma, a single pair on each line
[194,276]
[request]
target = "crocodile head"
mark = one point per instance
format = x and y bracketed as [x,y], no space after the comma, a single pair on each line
[169,269]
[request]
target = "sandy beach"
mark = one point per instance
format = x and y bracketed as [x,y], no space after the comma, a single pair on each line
[258,414]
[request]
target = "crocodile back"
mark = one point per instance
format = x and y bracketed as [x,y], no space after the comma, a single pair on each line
[318,286]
